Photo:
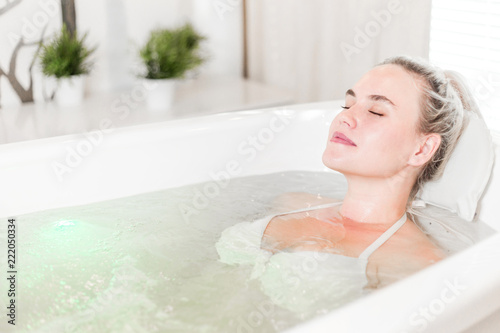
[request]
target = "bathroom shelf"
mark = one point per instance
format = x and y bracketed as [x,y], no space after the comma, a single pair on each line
[194,97]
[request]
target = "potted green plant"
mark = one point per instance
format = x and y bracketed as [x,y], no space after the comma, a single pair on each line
[167,56]
[65,57]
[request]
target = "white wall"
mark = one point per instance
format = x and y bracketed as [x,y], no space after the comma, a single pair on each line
[318,48]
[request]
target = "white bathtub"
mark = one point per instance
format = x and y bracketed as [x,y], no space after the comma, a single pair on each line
[111,163]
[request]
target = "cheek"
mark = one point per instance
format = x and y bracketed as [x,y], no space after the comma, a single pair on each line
[396,146]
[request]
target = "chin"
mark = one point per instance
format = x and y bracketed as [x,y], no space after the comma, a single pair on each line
[348,167]
[331,163]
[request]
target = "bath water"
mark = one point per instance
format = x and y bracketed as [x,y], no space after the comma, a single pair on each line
[148,263]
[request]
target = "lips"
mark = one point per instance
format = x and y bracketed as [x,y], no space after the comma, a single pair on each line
[341,138]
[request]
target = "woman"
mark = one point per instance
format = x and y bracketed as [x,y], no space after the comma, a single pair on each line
[399,126]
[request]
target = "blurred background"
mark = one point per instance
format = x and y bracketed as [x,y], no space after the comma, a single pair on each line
[314,50]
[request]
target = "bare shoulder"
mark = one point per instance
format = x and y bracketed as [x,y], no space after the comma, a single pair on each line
[296,200]
[407,252]
[423,248]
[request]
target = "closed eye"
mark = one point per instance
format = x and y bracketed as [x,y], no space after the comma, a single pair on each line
[375,113]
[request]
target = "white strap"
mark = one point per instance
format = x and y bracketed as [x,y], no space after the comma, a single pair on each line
[373,246]
[383,238]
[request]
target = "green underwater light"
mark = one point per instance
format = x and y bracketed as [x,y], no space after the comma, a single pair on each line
[64,224]
[69,237]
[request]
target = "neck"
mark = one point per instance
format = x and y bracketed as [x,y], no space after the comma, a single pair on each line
[375,200]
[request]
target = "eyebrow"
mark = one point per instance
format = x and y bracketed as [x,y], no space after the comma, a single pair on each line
[381,98]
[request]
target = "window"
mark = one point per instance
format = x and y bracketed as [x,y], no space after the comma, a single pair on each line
[465,36]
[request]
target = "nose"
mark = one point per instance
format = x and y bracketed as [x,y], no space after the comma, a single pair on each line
[347,118]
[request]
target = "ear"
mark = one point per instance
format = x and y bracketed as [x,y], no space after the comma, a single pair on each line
[426,148]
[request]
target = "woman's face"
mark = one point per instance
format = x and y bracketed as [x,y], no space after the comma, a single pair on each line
[376,133]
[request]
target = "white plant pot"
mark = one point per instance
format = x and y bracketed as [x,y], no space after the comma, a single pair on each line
[70,91]
[160,94]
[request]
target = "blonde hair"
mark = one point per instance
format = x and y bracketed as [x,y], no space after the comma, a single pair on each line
[445,101]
